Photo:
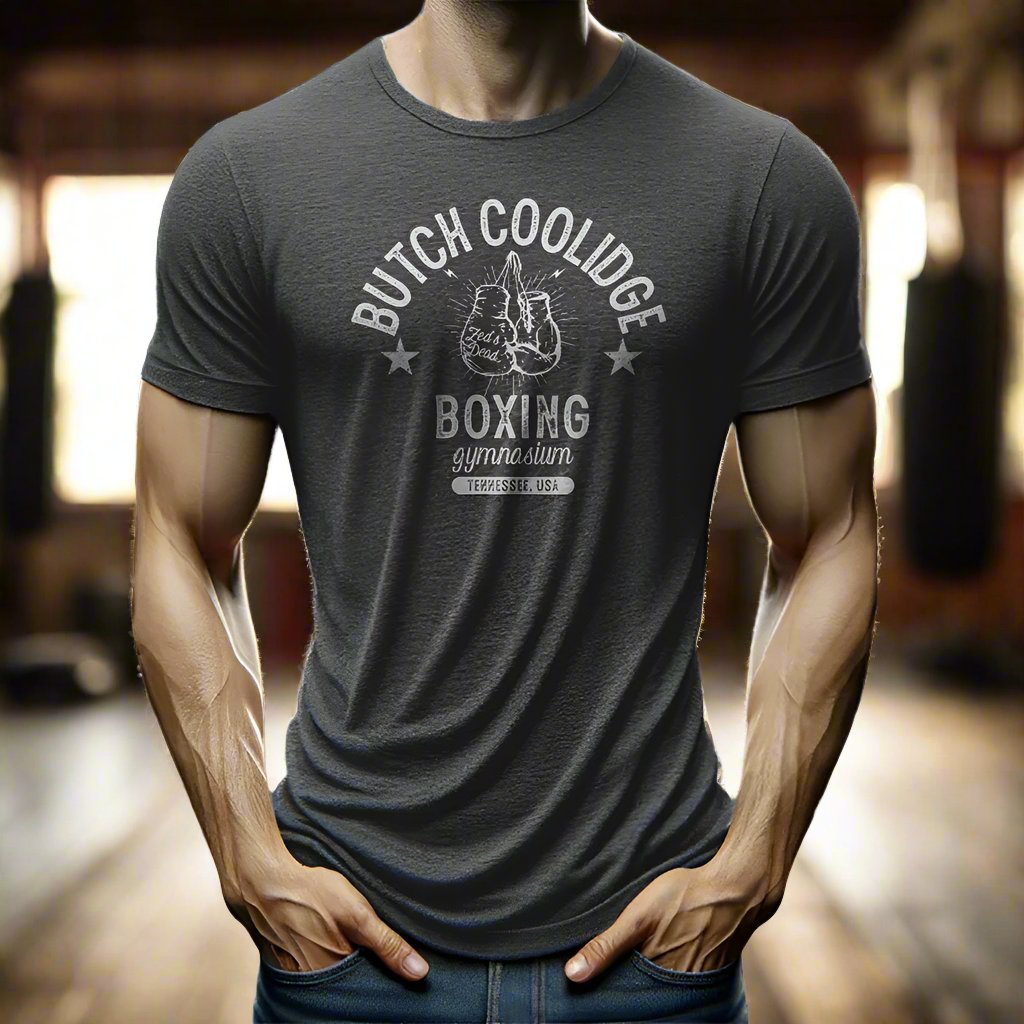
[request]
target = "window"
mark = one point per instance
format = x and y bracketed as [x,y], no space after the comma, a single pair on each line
[1014,234]
[10,226]
[10,242]
[895,248]
[101,234]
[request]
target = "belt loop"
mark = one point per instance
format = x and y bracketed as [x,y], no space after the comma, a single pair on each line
[493,991]
[538,990]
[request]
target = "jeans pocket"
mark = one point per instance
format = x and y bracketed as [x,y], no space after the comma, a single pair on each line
[714,976]
[315,977]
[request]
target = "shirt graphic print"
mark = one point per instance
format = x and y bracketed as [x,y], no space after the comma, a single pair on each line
[509,326]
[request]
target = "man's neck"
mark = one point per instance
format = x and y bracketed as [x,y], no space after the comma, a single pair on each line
[500,61]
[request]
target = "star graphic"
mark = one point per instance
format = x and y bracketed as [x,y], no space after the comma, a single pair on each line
[623,358]
[400,359]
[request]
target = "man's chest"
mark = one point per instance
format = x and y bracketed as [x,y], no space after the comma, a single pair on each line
[506,291]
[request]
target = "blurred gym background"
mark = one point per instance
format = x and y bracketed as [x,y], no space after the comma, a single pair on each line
[906,903]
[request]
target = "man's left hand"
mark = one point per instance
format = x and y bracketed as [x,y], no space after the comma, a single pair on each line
[688,919]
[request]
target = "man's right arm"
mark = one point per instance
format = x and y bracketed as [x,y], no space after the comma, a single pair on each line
[199,475]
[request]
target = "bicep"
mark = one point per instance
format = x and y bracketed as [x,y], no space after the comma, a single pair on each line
[808,468]
[200,471]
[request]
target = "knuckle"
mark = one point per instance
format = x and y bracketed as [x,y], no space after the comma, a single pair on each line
[360,919]
[366,914]
[389,945]
[600,947]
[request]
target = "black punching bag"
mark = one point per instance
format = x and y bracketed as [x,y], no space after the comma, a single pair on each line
[26,442]
[951,417]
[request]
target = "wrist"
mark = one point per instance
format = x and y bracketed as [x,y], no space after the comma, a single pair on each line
[251,868]
[753,870]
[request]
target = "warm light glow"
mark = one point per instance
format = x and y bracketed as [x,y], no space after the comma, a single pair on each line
[1014,434]
[101,233]
[10,225]
[894,220]
[10,243]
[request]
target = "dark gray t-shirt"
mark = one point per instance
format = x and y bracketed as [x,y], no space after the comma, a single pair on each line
[504,358]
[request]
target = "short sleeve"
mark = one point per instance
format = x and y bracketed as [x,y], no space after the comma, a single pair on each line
[210,344]
[802,283]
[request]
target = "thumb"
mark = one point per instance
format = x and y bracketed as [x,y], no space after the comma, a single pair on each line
[369,930]
[603,949]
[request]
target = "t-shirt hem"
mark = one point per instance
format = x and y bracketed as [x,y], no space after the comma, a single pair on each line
[213,392]
[805,385]
[510,944]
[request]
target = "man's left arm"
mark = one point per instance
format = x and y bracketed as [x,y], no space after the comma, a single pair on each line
[808,470]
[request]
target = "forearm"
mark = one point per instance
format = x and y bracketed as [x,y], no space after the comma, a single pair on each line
[198,654]
[808,662]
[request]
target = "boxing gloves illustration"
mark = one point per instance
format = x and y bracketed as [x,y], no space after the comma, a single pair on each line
[540,342]
[493,343]
[490,336]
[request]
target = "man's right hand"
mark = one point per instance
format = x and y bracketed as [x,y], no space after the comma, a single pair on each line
[305,918]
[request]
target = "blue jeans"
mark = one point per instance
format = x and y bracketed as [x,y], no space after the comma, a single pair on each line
[360,988]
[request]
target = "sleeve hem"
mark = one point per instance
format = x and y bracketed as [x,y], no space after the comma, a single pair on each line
[214,392]
[808,384]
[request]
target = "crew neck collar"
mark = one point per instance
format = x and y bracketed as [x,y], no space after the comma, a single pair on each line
[502,129]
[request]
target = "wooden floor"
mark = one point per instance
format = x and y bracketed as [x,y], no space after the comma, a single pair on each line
[906,905]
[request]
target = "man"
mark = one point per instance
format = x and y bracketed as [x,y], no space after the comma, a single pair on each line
[504,279]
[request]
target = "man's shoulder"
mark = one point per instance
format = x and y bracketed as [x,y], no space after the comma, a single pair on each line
[692,109]
[286,127]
